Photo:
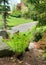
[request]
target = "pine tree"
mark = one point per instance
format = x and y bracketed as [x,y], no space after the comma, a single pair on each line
[4,8]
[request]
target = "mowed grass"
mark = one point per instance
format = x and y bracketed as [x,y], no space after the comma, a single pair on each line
[16,21]
[13,21]
[1,21]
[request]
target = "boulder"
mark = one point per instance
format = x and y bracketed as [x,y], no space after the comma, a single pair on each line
[31,46]
[5,49]
[4,34]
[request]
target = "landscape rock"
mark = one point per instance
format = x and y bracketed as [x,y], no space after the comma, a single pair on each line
[31,46]
[3,46]
[4,34]
[4,49]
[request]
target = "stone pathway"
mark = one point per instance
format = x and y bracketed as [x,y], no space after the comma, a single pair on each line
[24,27]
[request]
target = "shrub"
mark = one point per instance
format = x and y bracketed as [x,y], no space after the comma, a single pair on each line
[34,15]
[18,43]
[16,13]
[37,35]
[40,8]
[42,19]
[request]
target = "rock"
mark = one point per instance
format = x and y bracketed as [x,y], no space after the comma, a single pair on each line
[12,32]
[3,46]
[4,34]
[31,46]
[4,49]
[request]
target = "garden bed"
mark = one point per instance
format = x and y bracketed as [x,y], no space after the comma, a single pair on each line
[26,59]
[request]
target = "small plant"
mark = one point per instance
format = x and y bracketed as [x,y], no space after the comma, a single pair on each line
[38,35]
[18,43]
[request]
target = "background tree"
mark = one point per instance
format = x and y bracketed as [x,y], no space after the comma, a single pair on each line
[40,8]
[31,13]
[20,10]
[4,8]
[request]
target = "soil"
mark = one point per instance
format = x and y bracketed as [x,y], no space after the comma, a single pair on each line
[28,58]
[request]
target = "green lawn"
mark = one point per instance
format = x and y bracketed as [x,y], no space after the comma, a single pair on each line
[1,23]
[12,21]
[16,21]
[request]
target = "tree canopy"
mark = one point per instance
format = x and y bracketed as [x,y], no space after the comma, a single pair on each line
[40,8]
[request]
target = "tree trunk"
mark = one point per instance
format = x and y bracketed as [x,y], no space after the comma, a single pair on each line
[4,19]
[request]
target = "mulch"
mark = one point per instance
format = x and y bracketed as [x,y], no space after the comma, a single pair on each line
[26,59]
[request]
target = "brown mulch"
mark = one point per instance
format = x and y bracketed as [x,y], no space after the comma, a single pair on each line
[28,58]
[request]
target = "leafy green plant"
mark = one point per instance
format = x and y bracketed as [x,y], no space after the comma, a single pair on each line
[40,8]
[16,13]
[42,19]
[18,43]
[38,34]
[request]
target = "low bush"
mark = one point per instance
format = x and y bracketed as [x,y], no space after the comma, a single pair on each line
[42,19]
[16,14]
[38,34]
[34,16]
[18,42]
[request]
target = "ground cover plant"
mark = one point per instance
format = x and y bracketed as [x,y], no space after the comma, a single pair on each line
[39,33]
[18,43]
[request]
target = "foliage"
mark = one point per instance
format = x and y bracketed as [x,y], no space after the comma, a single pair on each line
[21,10]
[18,43]
[25,11]
[4,8]
[37,36]
[16,13]
[34,15]
[40,8]
[16,21]
[42,19]
[31,8]
[39,33]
